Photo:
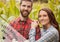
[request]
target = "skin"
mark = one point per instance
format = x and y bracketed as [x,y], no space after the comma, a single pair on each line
[43,19]
[25,9]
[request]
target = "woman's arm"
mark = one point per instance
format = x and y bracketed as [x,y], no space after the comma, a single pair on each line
[32,35]
[32,32]
[48,37]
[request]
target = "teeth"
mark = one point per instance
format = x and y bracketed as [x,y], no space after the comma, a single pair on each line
[25,12]
[42,21]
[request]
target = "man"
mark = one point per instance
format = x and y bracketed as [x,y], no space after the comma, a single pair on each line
[23,23]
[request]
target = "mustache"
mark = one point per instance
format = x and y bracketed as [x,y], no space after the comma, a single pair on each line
[26,10]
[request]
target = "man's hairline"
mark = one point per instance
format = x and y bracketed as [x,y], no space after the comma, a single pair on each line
[26,0]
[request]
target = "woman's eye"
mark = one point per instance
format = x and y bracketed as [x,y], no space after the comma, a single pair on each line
[44,15]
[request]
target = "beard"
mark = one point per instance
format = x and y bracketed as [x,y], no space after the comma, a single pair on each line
[24,13]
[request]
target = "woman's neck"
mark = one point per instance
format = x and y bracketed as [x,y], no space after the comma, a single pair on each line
[47,26]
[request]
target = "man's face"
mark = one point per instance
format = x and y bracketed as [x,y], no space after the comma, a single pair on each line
[25,8]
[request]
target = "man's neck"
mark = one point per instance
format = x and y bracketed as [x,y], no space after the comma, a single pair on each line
[23,18]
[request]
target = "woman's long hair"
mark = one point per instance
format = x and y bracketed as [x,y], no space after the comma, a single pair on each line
[51,17]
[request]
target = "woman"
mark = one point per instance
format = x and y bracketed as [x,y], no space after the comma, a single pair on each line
[50,30]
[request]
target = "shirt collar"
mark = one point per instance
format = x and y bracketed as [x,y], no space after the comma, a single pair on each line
[27,21]
[51,27]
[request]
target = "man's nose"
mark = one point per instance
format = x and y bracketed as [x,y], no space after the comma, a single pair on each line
[26,8]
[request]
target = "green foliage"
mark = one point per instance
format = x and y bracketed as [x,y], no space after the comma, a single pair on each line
[9,10]
[55,7]
[35,10]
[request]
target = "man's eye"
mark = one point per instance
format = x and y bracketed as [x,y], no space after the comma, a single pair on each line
[23,5]
[29,6]
[39,16]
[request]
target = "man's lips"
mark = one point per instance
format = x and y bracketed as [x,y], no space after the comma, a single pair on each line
[26,11]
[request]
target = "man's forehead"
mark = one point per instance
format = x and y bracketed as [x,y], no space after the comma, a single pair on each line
[26,0]
[26,3]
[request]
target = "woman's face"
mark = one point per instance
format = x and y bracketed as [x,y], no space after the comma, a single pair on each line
[43,18]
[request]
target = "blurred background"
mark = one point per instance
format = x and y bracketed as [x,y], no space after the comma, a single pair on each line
[9,9]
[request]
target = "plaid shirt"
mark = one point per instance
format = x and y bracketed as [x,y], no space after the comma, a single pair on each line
[49,35]
[23,27]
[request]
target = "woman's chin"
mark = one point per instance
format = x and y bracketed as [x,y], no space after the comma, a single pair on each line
[43,24]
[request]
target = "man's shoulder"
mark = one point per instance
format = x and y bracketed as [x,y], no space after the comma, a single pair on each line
[15,20]
[30,20]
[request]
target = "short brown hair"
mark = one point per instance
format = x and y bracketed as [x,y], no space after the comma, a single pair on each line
[26,0]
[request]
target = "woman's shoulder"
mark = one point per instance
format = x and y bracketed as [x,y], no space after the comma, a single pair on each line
[54,30]
[51,29]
